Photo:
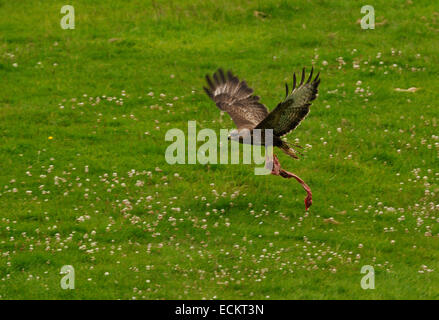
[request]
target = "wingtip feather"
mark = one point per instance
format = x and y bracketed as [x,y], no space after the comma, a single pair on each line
[317,77]
[222,76]
[303,76]
[310,75]
[209,81]
[208,92]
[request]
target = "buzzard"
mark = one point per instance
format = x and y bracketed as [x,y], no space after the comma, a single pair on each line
[237,99]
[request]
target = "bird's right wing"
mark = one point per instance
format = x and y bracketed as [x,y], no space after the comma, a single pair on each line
[236,98]
[289,113]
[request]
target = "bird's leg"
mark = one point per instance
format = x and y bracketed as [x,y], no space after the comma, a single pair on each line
[278,171]
[298,152]
[270,165]
[308,199]
[295,145]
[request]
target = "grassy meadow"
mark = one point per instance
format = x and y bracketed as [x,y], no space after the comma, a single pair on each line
[83,176]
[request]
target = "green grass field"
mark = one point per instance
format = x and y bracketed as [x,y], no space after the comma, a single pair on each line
[83,176]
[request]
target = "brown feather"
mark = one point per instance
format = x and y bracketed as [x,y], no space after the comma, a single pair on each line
[289,113]
[236,99]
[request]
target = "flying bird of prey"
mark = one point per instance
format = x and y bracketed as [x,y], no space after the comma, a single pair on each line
[237,99]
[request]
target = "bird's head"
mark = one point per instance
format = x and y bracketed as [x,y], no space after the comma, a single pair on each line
[234,135]
[239,135]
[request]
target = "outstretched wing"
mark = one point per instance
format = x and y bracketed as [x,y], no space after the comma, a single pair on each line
[236,98]
[289,113]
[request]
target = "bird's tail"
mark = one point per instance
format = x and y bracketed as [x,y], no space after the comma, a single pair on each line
[287,149]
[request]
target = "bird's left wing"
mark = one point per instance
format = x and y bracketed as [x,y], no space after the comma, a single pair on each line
[236,98]
[289,113]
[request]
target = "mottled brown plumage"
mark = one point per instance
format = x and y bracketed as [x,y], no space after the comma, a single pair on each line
[289,113]
[237,99]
